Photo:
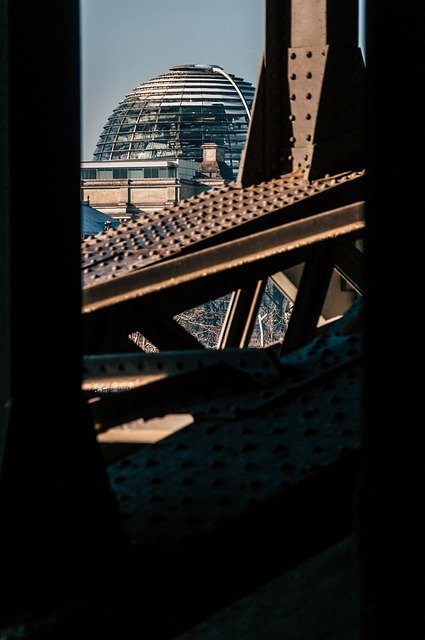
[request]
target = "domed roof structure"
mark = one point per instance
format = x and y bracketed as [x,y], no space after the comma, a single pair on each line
[177,112]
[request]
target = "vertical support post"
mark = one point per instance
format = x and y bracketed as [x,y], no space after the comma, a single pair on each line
[58,515]
[390,505]
[4,235]
[311,69]
[240,317]
[310,297]
[265,155]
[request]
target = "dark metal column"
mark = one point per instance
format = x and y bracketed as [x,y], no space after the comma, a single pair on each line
[4,235]
[265,154]
[308,111]
[391,496]
[58,517]
[240,316]
[305,315]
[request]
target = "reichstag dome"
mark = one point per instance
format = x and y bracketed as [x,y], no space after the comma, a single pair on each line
[175,113]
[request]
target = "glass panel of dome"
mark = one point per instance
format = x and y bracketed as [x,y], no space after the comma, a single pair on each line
[140,155]
[146,118]
[204,92]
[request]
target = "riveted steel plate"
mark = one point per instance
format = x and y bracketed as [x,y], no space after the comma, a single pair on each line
[130,370]
[242,259]
[246,450]
[164,234]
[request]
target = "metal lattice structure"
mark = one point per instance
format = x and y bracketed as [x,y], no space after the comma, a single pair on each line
[253,432]
[176,113]
[258,460]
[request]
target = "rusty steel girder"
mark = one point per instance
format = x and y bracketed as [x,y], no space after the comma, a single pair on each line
[303,157]
[246,454]
[264,475]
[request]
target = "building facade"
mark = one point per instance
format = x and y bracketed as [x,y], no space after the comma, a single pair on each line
[171,138]
[174,114]
[125,189]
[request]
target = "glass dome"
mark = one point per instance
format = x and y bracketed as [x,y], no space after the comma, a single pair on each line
[177,112]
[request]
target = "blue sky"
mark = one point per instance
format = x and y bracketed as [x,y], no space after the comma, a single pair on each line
[127,42]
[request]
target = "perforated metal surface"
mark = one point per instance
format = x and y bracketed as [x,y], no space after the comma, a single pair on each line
[244,449]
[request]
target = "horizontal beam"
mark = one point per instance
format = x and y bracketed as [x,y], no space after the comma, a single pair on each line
[262,253]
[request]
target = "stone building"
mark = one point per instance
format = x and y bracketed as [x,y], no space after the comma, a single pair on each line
[123,189]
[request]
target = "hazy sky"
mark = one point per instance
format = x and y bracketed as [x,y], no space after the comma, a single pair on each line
[126,42]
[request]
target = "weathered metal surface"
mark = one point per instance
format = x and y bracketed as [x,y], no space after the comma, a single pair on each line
[192,374]
[241,314]
[193,279]
[305,315]
[311,70]
[207,217]
[265,475]
[269,245]
[249,446]
[265,154]
[132,370]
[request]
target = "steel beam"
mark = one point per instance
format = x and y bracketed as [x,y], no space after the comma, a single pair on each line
[311,69]
[215,217]
[5,311]
[241,314]
[110,329]
[58,515]
[305,315]
[260,254]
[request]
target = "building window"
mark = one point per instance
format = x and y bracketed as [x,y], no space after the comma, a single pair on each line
[119,174]
[88,174]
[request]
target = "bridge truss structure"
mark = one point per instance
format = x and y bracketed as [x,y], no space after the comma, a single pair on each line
[144,493]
